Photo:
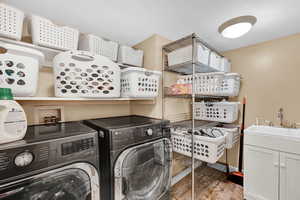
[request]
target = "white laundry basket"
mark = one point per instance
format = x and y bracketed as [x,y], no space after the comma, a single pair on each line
[184,55]
[83,74]
[205,148]
[225,65]
[230,85]
[215,61]
[46,33]
[19,69]
[11,22]
[226,112]
[139,82]
[98,45]
[231,133]
[130,56]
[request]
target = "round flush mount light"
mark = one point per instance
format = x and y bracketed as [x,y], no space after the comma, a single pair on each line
[237,27]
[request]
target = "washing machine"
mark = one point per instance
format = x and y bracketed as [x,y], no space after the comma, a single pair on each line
[53,162]
[135,157]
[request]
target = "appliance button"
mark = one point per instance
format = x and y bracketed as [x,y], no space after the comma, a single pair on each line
[149,132]
[23,159]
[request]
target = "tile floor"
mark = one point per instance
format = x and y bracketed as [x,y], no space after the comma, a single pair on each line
[210,184]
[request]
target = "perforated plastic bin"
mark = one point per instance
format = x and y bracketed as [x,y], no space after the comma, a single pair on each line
[83,74]
[99,46]
[130,56]
[139,82]
[46,33]
[206,83]
[11,22]
[205,148]
[230,85]
[215,61]
[231,133]
[225,65]
[184,55]
[19,69]
[226,112]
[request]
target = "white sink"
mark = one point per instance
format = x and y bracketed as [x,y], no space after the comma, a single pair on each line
[282,139]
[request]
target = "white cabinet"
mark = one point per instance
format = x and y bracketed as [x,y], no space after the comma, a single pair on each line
[271,174]
[261,169]
[289,176]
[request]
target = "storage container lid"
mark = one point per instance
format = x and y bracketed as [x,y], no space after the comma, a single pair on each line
[6,94]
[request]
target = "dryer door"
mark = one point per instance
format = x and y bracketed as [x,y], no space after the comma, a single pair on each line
[144,172]
[75,182]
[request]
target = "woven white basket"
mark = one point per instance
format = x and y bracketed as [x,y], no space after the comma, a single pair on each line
[11,22]
[184,55]
[19,69]
[130,56]
[205,148]
[46,33]
[226,112]
[139,82]
[83,74]
[98,45]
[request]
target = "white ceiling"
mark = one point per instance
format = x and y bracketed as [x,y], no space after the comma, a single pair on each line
[131,21]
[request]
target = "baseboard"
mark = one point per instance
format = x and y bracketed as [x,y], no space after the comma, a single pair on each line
[222,167]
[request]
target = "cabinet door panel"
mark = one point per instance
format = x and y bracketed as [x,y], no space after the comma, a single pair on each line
[289,176]
[261,169]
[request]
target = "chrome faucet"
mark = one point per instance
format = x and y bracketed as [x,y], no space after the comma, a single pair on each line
[280,117]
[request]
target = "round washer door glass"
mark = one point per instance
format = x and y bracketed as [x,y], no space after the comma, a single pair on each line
[146,171]
[71,184]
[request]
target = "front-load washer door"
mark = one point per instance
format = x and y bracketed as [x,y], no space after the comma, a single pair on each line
[75,182]
[144,172]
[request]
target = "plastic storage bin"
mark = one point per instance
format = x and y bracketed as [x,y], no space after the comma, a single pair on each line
[230,85]
[11,22]
[130,56]
[205,148]
[216,83]
[184,55]
[99,46]
[226,112]
[231,133]
[19,69]
[215,61]
[83,74]
[46,33]
[139,82]
[225,65]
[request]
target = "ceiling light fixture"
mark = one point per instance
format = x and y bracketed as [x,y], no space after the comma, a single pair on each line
[237,27]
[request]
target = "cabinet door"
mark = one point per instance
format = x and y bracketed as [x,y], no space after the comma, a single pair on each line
[261,170]
[289,176]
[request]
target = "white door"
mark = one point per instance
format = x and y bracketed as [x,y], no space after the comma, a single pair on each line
[289,176]
[261,169]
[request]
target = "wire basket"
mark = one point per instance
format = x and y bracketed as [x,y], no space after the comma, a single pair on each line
[226,112]
[83,74]
[19,69]
[139,82]
[46,33]
[99,46]
[130,56]
[206,149]
[11,22]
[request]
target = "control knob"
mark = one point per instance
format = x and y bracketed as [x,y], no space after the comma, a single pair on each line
[149,132]
[23,159]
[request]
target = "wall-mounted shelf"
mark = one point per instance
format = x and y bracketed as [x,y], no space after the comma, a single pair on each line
[79,99]
[188,96]
[48,52]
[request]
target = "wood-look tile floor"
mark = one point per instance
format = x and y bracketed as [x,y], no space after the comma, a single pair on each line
[210,184]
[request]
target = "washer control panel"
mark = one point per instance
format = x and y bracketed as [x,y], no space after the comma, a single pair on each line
[77,146]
